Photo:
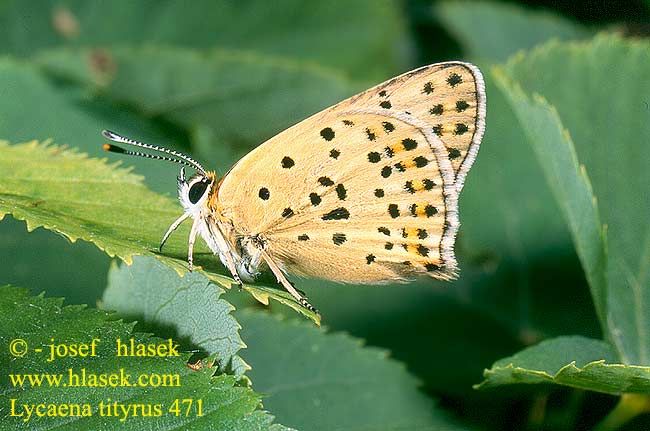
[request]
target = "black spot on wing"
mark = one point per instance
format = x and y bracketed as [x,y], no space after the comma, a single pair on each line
[420,161]
[461,105]
[264,193]
[432,267]
[388,246]
[341,192]
[436,110]
[337,214]
[379,193]
[327,133]
[386,104]
[371,135]
[374,157]
[386,171]
[422,250]
[325,181]
[287,162]
[384,230]
[453,153]
[430,210]
[315,199]
[334,153]
[422,233]
[393,210]
[338,238]
[428,88]
[409,144]
[287,212]
[303,237]
[437,129]
[370,259]
[454,79]
[460,129]
[388,127]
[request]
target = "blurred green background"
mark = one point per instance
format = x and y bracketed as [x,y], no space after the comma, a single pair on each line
[217,78]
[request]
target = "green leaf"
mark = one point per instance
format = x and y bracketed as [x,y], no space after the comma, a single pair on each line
[241,99]
[512,242]
[337,383]
[569,182]
[36,258]
[191,304]
[600,92]
[491,32]
[573,361]
[350,37]
[38,321]
[615,260]
[88,199]
[313,380]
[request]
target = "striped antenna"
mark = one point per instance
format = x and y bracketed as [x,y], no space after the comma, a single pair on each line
[177,157]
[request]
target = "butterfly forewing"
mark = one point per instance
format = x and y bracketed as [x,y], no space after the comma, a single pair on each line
[352,194]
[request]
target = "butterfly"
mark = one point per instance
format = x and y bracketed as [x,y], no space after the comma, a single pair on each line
[364,192]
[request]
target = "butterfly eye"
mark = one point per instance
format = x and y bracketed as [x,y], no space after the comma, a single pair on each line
[197,190]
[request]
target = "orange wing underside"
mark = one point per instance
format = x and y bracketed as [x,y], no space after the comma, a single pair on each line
[366,191]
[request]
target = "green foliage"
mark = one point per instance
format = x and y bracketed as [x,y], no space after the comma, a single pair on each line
[571,361]
[40,320]
[193,87]
[554,237]
[113,209]
[568,180]
[191,305]
[332,370]
[288,28]
[336,371]
[491,31]
[611,144]
[614,258]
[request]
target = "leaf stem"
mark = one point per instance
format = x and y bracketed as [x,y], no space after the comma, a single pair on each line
[629,406]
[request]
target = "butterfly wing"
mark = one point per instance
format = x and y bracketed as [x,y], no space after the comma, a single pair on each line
[359,193]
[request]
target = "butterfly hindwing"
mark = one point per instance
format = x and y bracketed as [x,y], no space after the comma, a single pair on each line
[448,97]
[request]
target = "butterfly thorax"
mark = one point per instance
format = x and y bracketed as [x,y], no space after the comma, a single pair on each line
[217,221]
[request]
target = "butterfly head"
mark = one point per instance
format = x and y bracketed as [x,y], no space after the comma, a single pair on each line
[194,191]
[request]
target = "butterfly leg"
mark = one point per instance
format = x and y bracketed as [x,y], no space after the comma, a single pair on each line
[172,228]
[286,283]
[230,263]
[190,244]
[223,249]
